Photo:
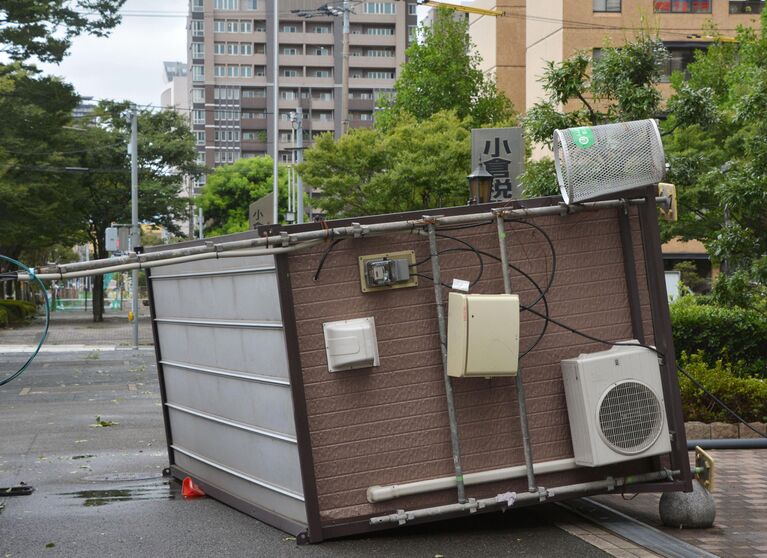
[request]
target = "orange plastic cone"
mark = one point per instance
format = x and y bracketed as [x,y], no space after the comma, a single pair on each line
[190,489]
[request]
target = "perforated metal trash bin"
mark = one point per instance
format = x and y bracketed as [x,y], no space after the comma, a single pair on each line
[592,161]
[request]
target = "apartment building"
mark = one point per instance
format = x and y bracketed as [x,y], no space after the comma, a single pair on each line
[231,71]
[533,32]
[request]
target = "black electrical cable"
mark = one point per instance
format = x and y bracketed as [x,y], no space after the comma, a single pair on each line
[324,257]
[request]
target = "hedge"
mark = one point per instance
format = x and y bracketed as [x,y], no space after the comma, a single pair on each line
[746,396]
[16,311]
[732,334]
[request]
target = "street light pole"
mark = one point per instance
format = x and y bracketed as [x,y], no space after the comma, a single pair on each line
[135,233]
[345,71]
[276,111]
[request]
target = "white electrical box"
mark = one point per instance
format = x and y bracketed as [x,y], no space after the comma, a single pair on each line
[615,405]
[482,335]
[351,344]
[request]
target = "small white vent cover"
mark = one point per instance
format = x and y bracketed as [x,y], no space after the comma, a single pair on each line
[615,405]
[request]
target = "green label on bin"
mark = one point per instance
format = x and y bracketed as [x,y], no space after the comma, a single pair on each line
[583,137]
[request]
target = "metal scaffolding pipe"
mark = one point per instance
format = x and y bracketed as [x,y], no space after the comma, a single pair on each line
[509,499]
[354,230]
[520,387]
[455,443]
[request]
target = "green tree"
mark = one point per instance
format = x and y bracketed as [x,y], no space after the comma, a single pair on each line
[230,189]
[414,165]
[35,211]
[721,168]
[442,73]
[44,29]
[102,191]
[619,85]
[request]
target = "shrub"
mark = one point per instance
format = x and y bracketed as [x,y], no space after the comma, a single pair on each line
[733,334]
[3,317]
[746,396]
[17,310]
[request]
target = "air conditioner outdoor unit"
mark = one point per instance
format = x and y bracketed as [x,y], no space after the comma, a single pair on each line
[615,405]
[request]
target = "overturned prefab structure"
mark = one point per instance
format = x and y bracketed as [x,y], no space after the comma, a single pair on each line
[348,376]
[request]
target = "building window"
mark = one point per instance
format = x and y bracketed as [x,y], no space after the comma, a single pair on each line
[219,48]
[322,95]
[249,4]
[379,74]
[382,30]
[246,26]
[289,73]
[253,93]
[198,50]
[412,9]
[246,49]
[286,136]
[219,26]
[219,70]
[290,51]
[198,28]
[412,32]
[232,70]
[382,8]
[200,157]
[683,6]
[226,93]
[321,29]
[607,5]
[233,115]
[320,51]
[197,5]
[259,27]
[199,137]
[287,28]
[246,71]
[322,73]
[198,95]
[379,52]
[198,116]
[288,94]
[225,5]
[746,6]
[680,56]
[198,73]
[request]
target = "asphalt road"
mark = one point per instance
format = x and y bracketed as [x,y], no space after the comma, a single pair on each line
[99,490]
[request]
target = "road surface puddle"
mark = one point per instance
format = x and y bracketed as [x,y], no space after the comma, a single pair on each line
[154,491]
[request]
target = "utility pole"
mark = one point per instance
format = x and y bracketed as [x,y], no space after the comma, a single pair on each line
[299,158]
[134,230]
[276,111]
[345,71]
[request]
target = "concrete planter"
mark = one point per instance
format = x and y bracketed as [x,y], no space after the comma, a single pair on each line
[721,430]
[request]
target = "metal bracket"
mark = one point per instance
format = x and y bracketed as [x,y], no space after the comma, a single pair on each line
[285,239]
[668,191]
[704,468]
[543,494]
[357,230]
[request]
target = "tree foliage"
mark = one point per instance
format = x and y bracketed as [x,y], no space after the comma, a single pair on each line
[44,29]
[230,189]
[720,168]
[414,165]
[442,73]
[102,190]
[35,211]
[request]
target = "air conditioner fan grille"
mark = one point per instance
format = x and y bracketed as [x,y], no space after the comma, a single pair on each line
[630,417]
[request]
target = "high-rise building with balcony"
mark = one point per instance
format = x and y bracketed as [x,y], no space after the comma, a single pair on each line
[231,71]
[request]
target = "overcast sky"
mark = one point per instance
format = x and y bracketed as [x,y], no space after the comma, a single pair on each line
[128,63]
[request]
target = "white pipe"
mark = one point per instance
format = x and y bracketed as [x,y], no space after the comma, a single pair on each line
[170,261]
[389,492]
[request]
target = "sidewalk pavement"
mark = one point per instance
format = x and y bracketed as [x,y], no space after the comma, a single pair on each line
[78,328]
[740,491]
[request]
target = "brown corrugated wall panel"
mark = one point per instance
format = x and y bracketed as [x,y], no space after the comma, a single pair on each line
[389,424]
